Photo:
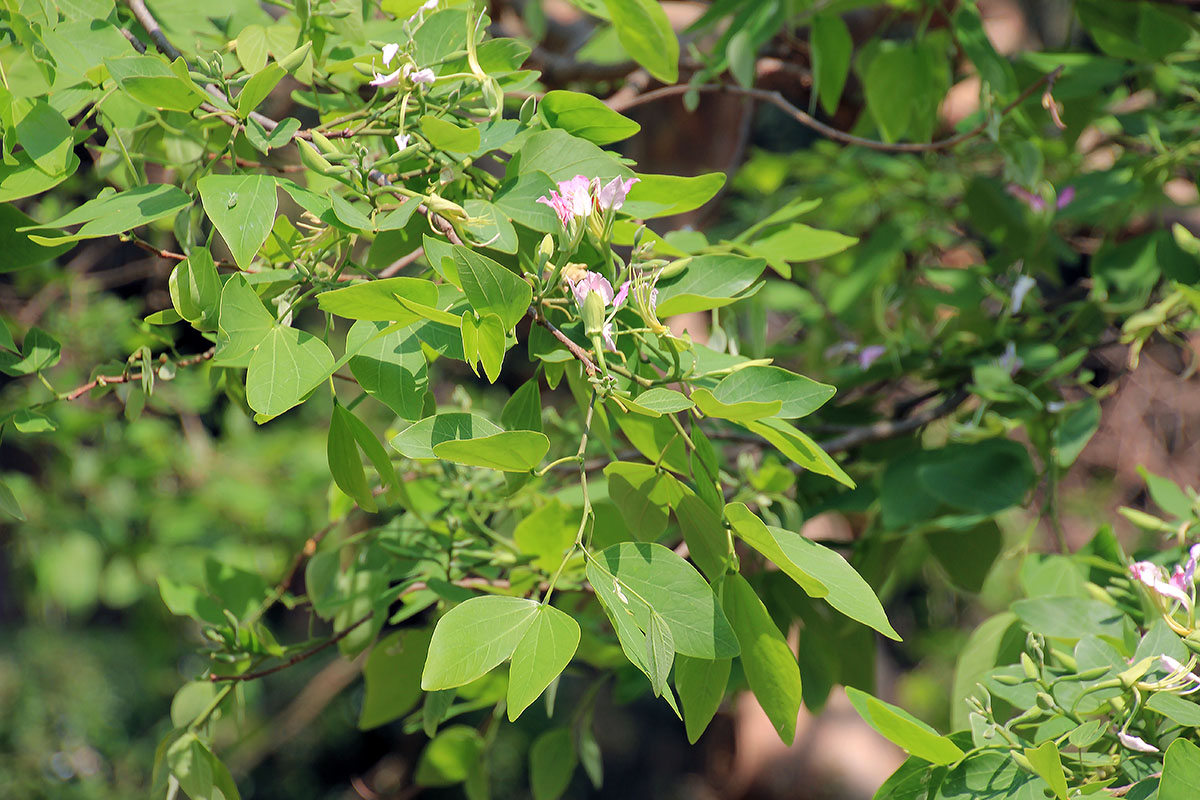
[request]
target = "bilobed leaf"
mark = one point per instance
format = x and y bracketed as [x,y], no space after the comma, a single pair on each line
[644,497]
[392,676]
[542,654]
[736,411]
[39,351]
[474,637]
[701,686]
[831,46]
[491,346]
[376,300]
[770,667]
[447,136]
[242,207]
[710,281]
[799,396]
[287,365]
[585,116]
[635,577]
[646,34]
[511,451]
[389,366]
[243,322]
[903,729]
[1047,763]
[116,212]
[1181,771]
[22,178]
[660,652]
[252,48]
[419,439]
[344,462]
[150,80]
[490,288]
[818,570]
[551,764]
[800,448]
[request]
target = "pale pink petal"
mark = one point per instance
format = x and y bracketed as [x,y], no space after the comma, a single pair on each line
[613,194]
[389,52]
[401,140]
[1065,197]
[622,295]
[391,79]
[607,333]
[1134,743]
[423,76]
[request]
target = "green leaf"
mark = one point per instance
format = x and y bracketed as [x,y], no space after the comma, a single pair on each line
[997,641]
[376,300]
[663,400]
[634,578]
[799,242]
[285,367]
[474,637]
[647,36]
[20,177]
[644,496]
[251,47]
[470,340]
[798,396]
[419,439]
[9,504]
[490,288]
[39,351]
[545,650]
[48,139]
[737,411]
[818,570]
[196,289]
[489,226]
[150,80]
[903,729]
[511,451]
[242,207]
[116,212]
[701,685]
[741,55]
[551,764]
[562,156]
[19,251]
[1181,771]
[771,668]
[1047,763]
[660,652]
[710,281]
[6,339]
[447,136]
[491,346]
[523,411]
[258,88]
[344,461]
[1166,494]
[450,757]
[585,116]
[242,323]
[889,89]
[801,449]
[517,200]
[1070,618]
[393,677]
[983,477]
[666,195]
[831,45]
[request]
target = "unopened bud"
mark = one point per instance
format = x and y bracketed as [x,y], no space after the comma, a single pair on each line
[528,109]
[323,144]
[545,250]
[445,208]
[593,314]
[1031,670]
[312,158]
[675,267]
[292,61]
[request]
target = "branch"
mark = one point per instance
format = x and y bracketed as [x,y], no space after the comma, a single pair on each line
[778,100]
[576,350]
[890,429]
[296,659]
[106,380]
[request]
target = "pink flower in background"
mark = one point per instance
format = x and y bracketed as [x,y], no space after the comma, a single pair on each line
[869,355]
[1030,199]
[391,79]
[1185,576]
[1151,576]
[1065,197]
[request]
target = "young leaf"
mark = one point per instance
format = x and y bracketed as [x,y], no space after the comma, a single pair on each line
[195,289]
[242,207]
[115,212]
[770,666]
[660,652]
[542,654]
[798,395]
[491,346]
[511,451]
[1047,763]
[701,685]
[257,89]
[474,637]
[344,461]
[551,764]
[646,34]
[243,321]
[447,136]
[903,729]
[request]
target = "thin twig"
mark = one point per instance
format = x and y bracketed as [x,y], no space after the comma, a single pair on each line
[806,119]
[890,429]
[576,350]
[401,263]
[107,380]
[296,659]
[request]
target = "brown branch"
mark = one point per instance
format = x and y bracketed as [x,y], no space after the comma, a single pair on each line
[306,552]
[778,100]
[576,350]
[890,429]
[401,263]
[106,380]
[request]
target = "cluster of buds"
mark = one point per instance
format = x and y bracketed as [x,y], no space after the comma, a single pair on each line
[1171,593]
[588,204]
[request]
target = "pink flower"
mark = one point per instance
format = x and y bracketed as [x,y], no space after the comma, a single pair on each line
[869,355]
[1065,197]
[423,76]
[1134,743]
[391,79]
[389,52]
[1030,199]
[1151,576]
[592,282]
[609,343]
[612,195]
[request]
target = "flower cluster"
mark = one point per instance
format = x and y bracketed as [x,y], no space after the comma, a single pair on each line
[1167,591]
[406,71]
[581,199]
[598,311]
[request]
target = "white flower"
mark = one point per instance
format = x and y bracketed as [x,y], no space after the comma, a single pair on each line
[424,76]
[1019,290]
[391,79]
[401,140]
[389,52]
[1134,743]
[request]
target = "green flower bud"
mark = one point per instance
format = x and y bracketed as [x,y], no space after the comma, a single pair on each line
[593,314]
[445,208]
[675,267]
[546,248]
[1031,670]
[528,109]
[312,158]
[292,61]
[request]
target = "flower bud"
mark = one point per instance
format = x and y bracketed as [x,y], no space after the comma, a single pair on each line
[445,208]
[312,158]
[293,60]
[675,267]
[593,314]
[1031,670]
[546,248]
